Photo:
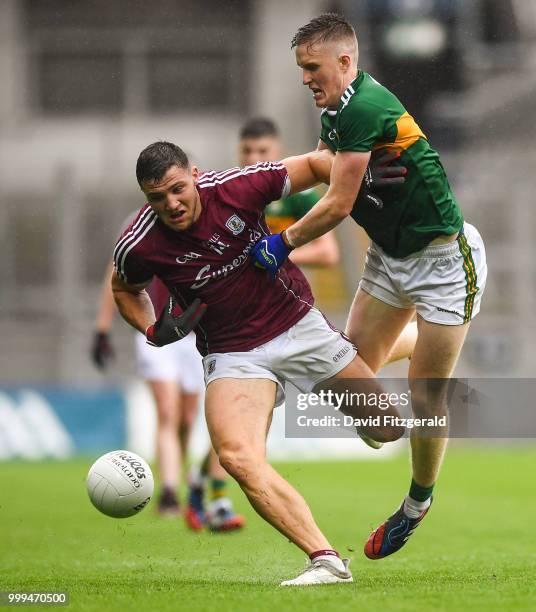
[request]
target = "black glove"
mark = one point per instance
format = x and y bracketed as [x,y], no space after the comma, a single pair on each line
[102,351]
[171,327]
[379,174]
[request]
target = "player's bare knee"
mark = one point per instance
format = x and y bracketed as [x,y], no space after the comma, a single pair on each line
[167,418]
[239,460]
[428,398]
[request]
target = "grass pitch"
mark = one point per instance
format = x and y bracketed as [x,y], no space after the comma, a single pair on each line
[476,550]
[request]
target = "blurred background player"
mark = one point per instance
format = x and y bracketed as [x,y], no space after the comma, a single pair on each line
[174,375]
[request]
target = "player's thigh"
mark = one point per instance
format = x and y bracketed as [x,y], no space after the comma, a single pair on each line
[374,326]
[432,364]
[354,377]
[437,349]
[238,414]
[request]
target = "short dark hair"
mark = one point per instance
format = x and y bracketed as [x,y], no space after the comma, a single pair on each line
[328,26]
[258,127]
[156,159]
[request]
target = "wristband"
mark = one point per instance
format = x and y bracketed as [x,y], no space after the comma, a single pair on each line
[149,333]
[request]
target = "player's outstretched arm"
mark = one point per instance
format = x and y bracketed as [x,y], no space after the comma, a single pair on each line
[347,173]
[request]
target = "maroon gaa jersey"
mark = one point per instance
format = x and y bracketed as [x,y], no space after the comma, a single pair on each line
[210,260]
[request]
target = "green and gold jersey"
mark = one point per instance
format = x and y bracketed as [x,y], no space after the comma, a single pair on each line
[370,117]
[283,213]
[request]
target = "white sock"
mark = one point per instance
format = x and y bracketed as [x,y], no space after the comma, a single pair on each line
[413,508]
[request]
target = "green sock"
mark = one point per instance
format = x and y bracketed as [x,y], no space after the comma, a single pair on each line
[419,493]
[217,488]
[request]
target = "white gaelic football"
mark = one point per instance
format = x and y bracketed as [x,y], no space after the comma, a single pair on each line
[120,484]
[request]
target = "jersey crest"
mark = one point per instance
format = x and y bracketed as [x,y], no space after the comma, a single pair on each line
[235,224]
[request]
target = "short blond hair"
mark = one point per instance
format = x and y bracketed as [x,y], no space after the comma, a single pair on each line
[324,28]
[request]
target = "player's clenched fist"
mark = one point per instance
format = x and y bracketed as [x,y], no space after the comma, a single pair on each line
[270,253]
[380,173]
[171,327]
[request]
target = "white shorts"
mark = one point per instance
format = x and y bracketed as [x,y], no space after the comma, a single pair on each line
[444,282]
[179,362]
[308,353]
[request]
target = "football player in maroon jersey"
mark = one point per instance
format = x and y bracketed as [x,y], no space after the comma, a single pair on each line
[196,233]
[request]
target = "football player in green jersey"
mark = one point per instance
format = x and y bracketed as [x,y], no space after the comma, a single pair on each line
[423,257]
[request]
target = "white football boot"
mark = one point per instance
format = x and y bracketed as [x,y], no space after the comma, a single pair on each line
[321,571]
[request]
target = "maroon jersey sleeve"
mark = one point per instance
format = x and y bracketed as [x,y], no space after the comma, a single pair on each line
[128,266]
[135,270]
[256,186]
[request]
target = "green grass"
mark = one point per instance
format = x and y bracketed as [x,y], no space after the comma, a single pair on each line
[475,551]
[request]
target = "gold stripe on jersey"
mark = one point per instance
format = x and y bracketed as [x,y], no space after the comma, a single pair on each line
[408,132]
